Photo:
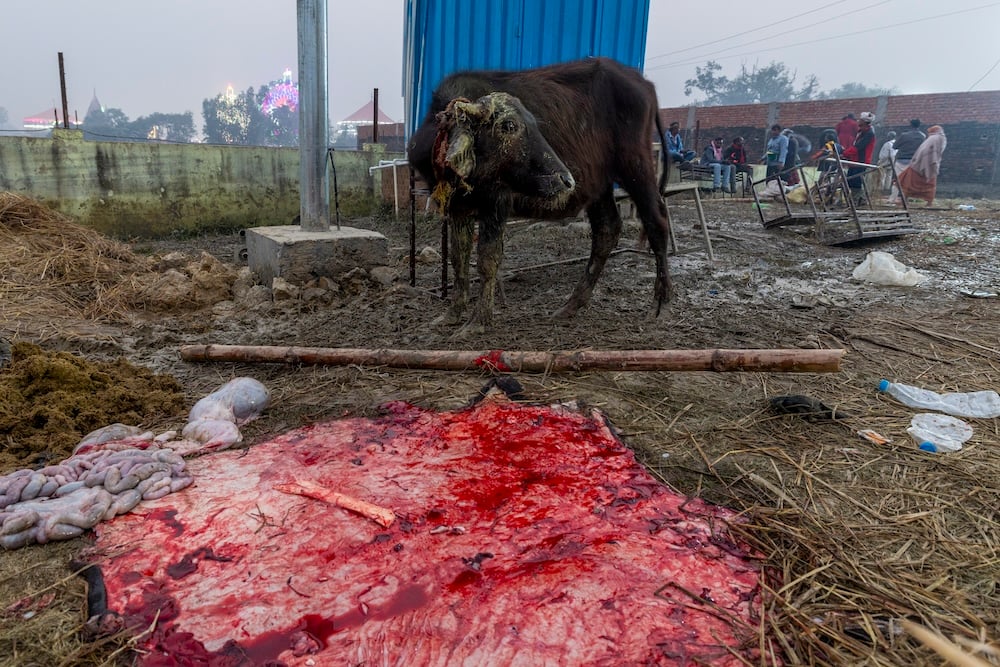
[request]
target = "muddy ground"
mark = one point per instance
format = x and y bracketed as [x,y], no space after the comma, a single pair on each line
[706,434]
[766,289]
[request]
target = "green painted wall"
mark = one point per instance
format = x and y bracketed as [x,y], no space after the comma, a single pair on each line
[148,190]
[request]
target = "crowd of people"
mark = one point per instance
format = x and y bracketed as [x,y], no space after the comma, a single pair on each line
[915,157]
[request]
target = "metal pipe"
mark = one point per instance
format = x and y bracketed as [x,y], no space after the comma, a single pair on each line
[395,190]
[375,119]
[314,126]
[413,230]
[391,164]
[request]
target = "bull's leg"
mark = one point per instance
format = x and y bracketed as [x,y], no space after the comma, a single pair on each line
[460,252]
[490,249]
[605,228]
[651,209]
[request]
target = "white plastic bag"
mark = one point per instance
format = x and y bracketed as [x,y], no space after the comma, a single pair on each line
[772,189]
[945,433]
[882,268]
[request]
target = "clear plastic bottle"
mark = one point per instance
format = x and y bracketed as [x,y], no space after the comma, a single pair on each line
[972,404]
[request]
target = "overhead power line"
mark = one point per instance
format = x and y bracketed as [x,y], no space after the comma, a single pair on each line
[751,30]
[770,38]
[817,40]
[985,75]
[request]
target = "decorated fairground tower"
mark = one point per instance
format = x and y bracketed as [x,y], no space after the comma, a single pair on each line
[268,117]
[281,106]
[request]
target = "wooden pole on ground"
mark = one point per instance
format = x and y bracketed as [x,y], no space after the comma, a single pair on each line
[771,361]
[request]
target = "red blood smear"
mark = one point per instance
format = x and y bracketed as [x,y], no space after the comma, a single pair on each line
[525,535]
[169,518]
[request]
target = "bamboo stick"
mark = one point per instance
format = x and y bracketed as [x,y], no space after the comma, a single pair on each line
[719,360]
[944,648]
[380,515]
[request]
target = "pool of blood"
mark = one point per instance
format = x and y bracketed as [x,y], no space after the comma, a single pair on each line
[524,535]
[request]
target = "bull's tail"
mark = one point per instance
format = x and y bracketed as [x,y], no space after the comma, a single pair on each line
[664,154]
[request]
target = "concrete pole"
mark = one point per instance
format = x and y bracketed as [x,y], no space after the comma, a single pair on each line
[314,127]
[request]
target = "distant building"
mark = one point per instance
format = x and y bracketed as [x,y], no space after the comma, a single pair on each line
[95,106]
[345,134]
[43,120]
[49,118]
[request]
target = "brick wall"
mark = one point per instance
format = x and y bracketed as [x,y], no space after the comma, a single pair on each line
[971,165]
[390,134]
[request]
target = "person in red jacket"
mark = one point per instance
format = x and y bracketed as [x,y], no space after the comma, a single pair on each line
[736,155]
[861,150]
[847,129]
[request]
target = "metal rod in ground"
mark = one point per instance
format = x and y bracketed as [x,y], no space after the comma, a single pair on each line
[719,360]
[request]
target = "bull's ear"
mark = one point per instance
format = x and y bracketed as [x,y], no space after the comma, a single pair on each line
[461,154]
[461,121]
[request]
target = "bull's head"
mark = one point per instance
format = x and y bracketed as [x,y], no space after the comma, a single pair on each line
[496,141]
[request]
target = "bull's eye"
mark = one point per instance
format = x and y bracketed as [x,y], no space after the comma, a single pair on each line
[508,127]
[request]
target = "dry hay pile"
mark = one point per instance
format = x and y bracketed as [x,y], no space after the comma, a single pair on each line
[59,279]
[50,400]
[52,269]
[884,542]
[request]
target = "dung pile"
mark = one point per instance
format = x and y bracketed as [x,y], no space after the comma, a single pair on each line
[50,400]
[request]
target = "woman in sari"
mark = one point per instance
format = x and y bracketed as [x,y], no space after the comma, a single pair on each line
[919,180]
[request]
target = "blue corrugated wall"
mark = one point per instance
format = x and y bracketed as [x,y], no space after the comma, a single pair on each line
[444,36]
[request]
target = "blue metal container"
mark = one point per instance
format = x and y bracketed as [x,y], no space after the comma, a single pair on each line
[445,36]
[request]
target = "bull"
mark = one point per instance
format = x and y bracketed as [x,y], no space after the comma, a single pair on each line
[543,143]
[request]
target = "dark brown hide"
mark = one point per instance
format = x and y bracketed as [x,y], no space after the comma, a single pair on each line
[598,116]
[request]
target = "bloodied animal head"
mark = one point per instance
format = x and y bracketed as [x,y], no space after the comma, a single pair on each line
[495,141]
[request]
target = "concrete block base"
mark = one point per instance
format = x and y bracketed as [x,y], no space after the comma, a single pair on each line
[299,256]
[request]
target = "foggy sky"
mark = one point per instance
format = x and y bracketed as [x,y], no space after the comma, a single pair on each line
[145,57]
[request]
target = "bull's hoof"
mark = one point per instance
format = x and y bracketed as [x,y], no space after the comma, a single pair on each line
[566,312]
[468,331]
[449,319]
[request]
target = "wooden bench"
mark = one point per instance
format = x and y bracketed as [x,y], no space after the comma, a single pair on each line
[672,189]
[840,215]
[623,199]
[700,173]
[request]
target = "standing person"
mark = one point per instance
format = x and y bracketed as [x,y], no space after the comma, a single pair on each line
[777,151]
[805,146]
[919,179]
[847,129]
[721,169]
[791,158]
[886,155]
[826,166]
[860,151]
[828,146]
[736,155]
[906,145]
[675,145]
